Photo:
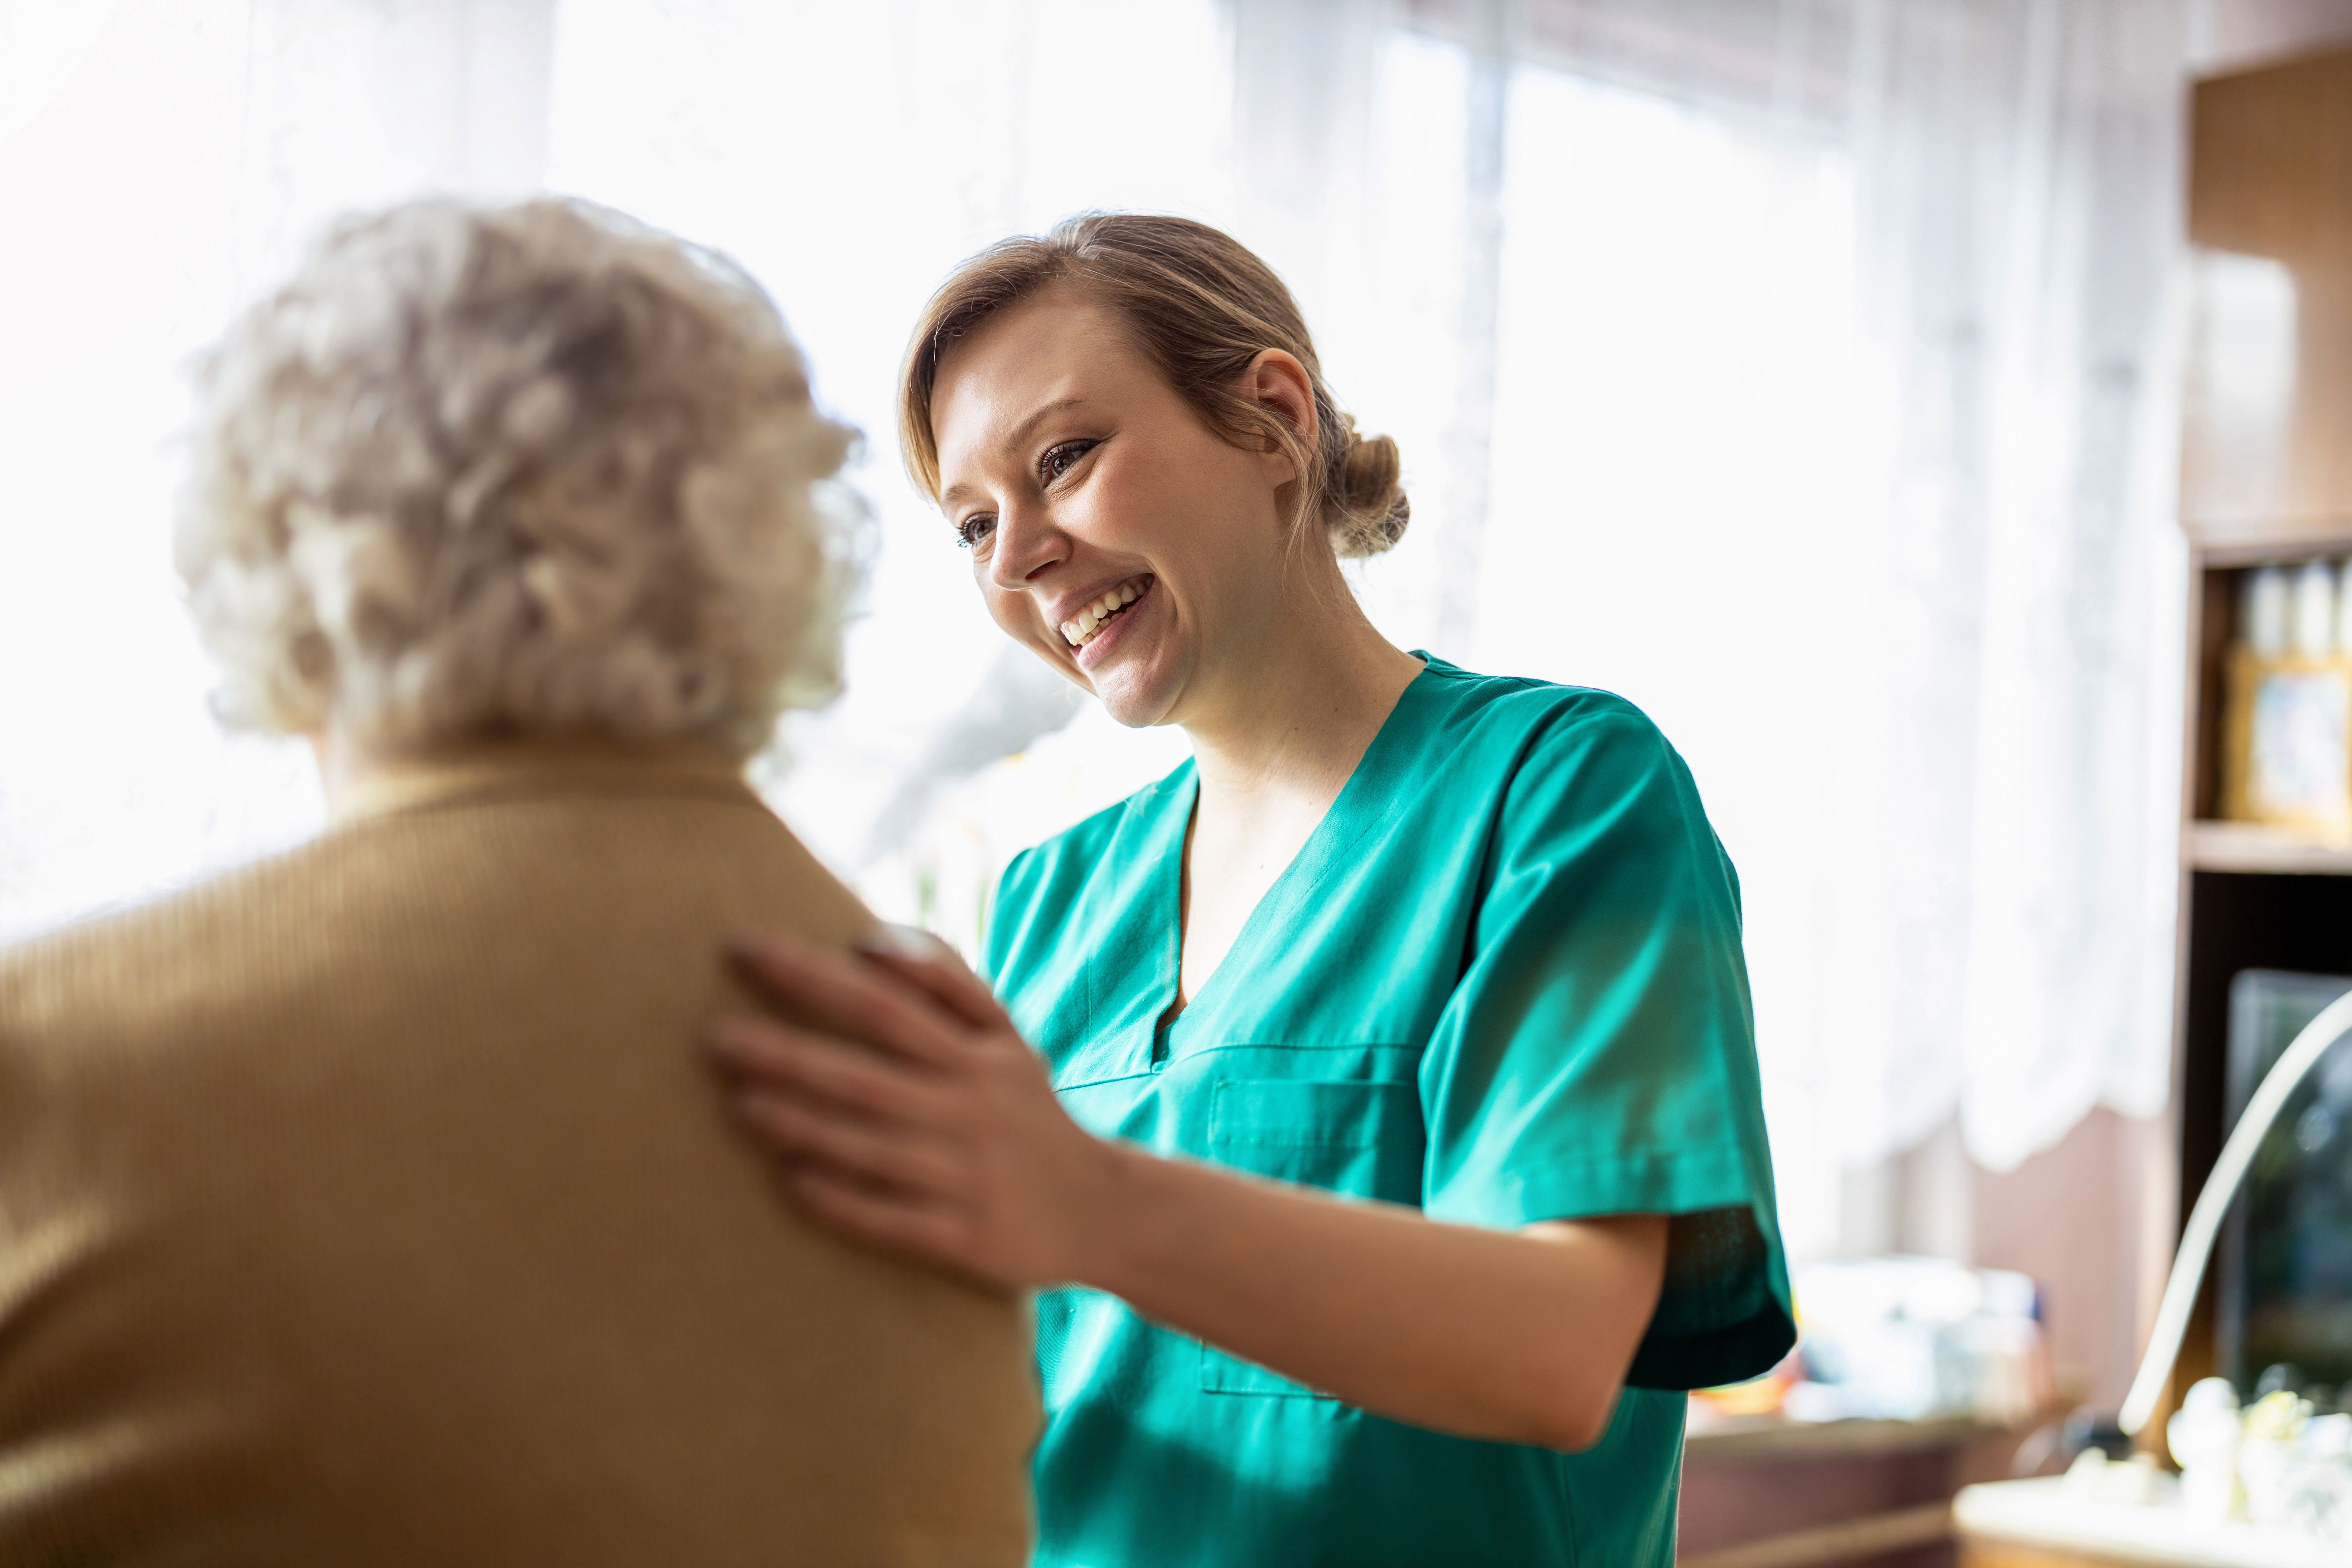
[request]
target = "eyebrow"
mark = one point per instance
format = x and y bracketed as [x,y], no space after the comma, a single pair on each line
[1019,435]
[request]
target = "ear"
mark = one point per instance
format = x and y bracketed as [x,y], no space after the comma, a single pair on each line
[1278,383]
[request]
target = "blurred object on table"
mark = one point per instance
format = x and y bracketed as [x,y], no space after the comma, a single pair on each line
[2268,1486]
[1904,1339]
[2278,1462]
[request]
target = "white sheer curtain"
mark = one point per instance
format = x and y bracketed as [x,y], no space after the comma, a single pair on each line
[2020,176]
[159,159]
[1798,368]
[1828,414]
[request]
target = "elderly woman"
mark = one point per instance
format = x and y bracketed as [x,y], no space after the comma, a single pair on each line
[366,1206]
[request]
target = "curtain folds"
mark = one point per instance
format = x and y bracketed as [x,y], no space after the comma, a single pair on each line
[1962,902]
[2018,194]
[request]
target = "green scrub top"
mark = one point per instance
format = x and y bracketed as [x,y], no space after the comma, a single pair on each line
[1501,982]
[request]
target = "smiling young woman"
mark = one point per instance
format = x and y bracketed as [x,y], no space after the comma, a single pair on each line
[1374,1098]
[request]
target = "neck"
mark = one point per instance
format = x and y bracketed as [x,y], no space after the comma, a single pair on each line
[1297,715]
[357,778]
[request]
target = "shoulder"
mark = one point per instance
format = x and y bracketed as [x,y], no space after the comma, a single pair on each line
[1519,703]
[1576,772]
[142,1006]
[1043,885]
[182,950]
[1069,857]
[1550,729]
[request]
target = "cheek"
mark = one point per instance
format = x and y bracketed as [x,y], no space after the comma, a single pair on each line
[1153,509]
[1213,503]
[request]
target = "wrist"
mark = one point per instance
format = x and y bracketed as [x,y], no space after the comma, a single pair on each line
[1113,1215]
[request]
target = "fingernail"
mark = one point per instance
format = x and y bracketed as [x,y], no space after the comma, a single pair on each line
[889,941]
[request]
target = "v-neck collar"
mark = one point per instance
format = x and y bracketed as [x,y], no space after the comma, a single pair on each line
[1345,823]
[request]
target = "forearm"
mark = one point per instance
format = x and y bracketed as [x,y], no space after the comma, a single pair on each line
[954,1150]
[1515,1336]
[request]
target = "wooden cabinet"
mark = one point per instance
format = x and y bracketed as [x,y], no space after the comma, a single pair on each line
[1762,1492]
[2266,478]
[2267,451]
[2009,1554]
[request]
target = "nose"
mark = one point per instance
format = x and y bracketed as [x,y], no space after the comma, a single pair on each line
[1027,545]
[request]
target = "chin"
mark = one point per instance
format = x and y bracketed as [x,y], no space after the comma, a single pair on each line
[1132,698]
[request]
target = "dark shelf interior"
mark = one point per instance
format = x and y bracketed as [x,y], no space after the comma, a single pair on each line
[2238,921]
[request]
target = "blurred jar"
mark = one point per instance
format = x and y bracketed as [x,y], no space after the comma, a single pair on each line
[2314,610]
[2203,1436]
[2264,610]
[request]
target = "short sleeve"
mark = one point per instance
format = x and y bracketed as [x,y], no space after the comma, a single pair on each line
[1597,1055]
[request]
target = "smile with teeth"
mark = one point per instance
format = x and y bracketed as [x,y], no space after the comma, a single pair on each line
[1087,624]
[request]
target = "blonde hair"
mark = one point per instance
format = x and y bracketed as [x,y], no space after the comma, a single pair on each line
[1201,307]
[525,470]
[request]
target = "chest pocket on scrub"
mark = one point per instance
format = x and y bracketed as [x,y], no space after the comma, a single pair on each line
[1356,1138]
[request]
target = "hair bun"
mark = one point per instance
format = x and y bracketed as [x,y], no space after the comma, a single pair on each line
[1372,511]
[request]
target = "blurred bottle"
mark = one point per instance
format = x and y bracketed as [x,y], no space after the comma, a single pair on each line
[2203,1436]
[2314,610]
[2268,1456]
[2264,610]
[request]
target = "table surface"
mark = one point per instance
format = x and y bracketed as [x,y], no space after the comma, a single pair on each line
[2045,1513]
[1710,1437]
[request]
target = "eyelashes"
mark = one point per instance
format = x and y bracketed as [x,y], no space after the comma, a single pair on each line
[1058,460]
[1053,465]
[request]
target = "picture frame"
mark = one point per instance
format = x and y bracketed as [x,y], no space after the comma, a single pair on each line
[2288,745]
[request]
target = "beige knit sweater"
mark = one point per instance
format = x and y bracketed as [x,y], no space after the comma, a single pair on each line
[373,1205]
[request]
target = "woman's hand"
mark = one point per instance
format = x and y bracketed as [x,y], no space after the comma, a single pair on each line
[943,1141]
[939,1139]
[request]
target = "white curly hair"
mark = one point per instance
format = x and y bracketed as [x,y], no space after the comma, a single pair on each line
[528,469]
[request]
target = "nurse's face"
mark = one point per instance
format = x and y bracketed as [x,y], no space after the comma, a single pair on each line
[1111,530]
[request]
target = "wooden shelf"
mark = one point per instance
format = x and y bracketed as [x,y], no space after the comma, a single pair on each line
[1764,1437]
[2251,848]
[2236,543]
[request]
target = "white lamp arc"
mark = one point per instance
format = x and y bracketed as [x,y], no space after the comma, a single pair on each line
[2204,1223]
